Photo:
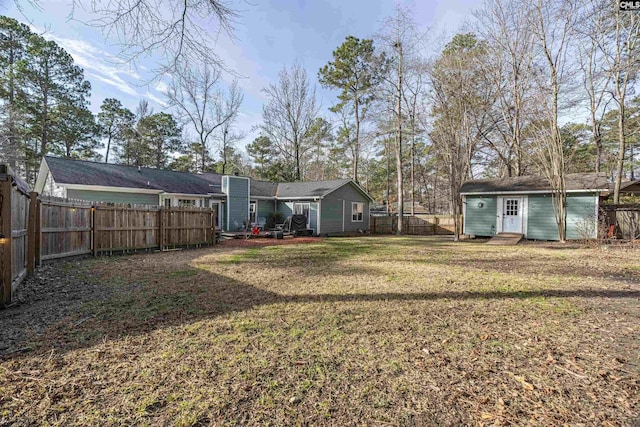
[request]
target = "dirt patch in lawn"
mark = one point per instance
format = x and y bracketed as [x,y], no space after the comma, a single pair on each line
[261,241]
[376,331]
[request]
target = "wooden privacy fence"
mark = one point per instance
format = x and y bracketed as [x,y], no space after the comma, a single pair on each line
[622,221]
[33,229]
[424,225]
[14,215]
[69,228]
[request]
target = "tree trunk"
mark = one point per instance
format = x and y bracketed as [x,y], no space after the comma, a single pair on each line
[621,150]
[388,156]
[597,137]
[106,156]
[356,155]
[400,185]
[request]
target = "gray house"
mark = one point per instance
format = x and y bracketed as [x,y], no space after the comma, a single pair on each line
[524,205]
[331,207]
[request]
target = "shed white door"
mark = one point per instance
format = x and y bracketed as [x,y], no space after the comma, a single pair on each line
[512,215]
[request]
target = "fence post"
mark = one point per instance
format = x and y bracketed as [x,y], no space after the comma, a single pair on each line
[5,239]
[161,228]
[373,227]
[38,233]
[32,230]
[94,245]
[212,217]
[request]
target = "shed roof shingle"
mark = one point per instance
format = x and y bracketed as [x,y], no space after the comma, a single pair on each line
[525,184]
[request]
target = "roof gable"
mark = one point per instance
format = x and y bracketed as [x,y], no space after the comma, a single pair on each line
[315,189]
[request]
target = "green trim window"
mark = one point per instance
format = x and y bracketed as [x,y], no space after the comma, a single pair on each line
[357,211]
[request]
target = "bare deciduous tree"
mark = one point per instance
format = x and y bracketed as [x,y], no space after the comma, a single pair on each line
[552,23]
[401,41]
[504,26]
[289,115]
[619,43]
[197,94]
[178,31]
[595,76]
[458,105]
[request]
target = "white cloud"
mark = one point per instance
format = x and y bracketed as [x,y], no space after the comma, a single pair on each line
[161,87]
[100,64]
[160,101]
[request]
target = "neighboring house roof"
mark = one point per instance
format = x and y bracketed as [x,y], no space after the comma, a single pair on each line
[535,184]
[80,172]
[631,187]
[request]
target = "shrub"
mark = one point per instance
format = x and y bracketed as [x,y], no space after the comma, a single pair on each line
[273,219]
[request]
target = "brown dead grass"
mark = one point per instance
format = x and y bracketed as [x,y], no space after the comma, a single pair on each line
[358,331]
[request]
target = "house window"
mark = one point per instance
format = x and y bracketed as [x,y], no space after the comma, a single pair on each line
[167,203]
[185,203]
[303,209]
[512,207]
[252,212]
[357,211]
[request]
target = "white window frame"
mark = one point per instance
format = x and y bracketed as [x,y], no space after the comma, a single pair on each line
[190,203]
[357,212]
[253,212]
[302,206]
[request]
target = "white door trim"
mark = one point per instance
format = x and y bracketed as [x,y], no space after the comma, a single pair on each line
[523,210]
[499,214]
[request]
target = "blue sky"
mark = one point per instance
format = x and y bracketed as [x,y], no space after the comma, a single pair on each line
[270,34]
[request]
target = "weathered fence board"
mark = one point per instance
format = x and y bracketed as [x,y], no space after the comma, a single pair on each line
[14,218]
[73,227]
[623,221]
[65,229]
[119,228]
[425,225]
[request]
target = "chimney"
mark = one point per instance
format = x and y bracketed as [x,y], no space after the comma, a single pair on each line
[139,169]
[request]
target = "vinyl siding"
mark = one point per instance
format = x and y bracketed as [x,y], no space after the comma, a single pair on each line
[481,221]
[541,222]
[264,208]
[332,215]
[581,209]
[581,216]
[113,197]
[237,190]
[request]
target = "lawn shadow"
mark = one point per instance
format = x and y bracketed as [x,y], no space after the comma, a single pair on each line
[140,307]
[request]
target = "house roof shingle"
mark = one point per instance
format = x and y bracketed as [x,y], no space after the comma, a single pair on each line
[80,172]
[68,171]
[308,188]
[527,184]
[263,188]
